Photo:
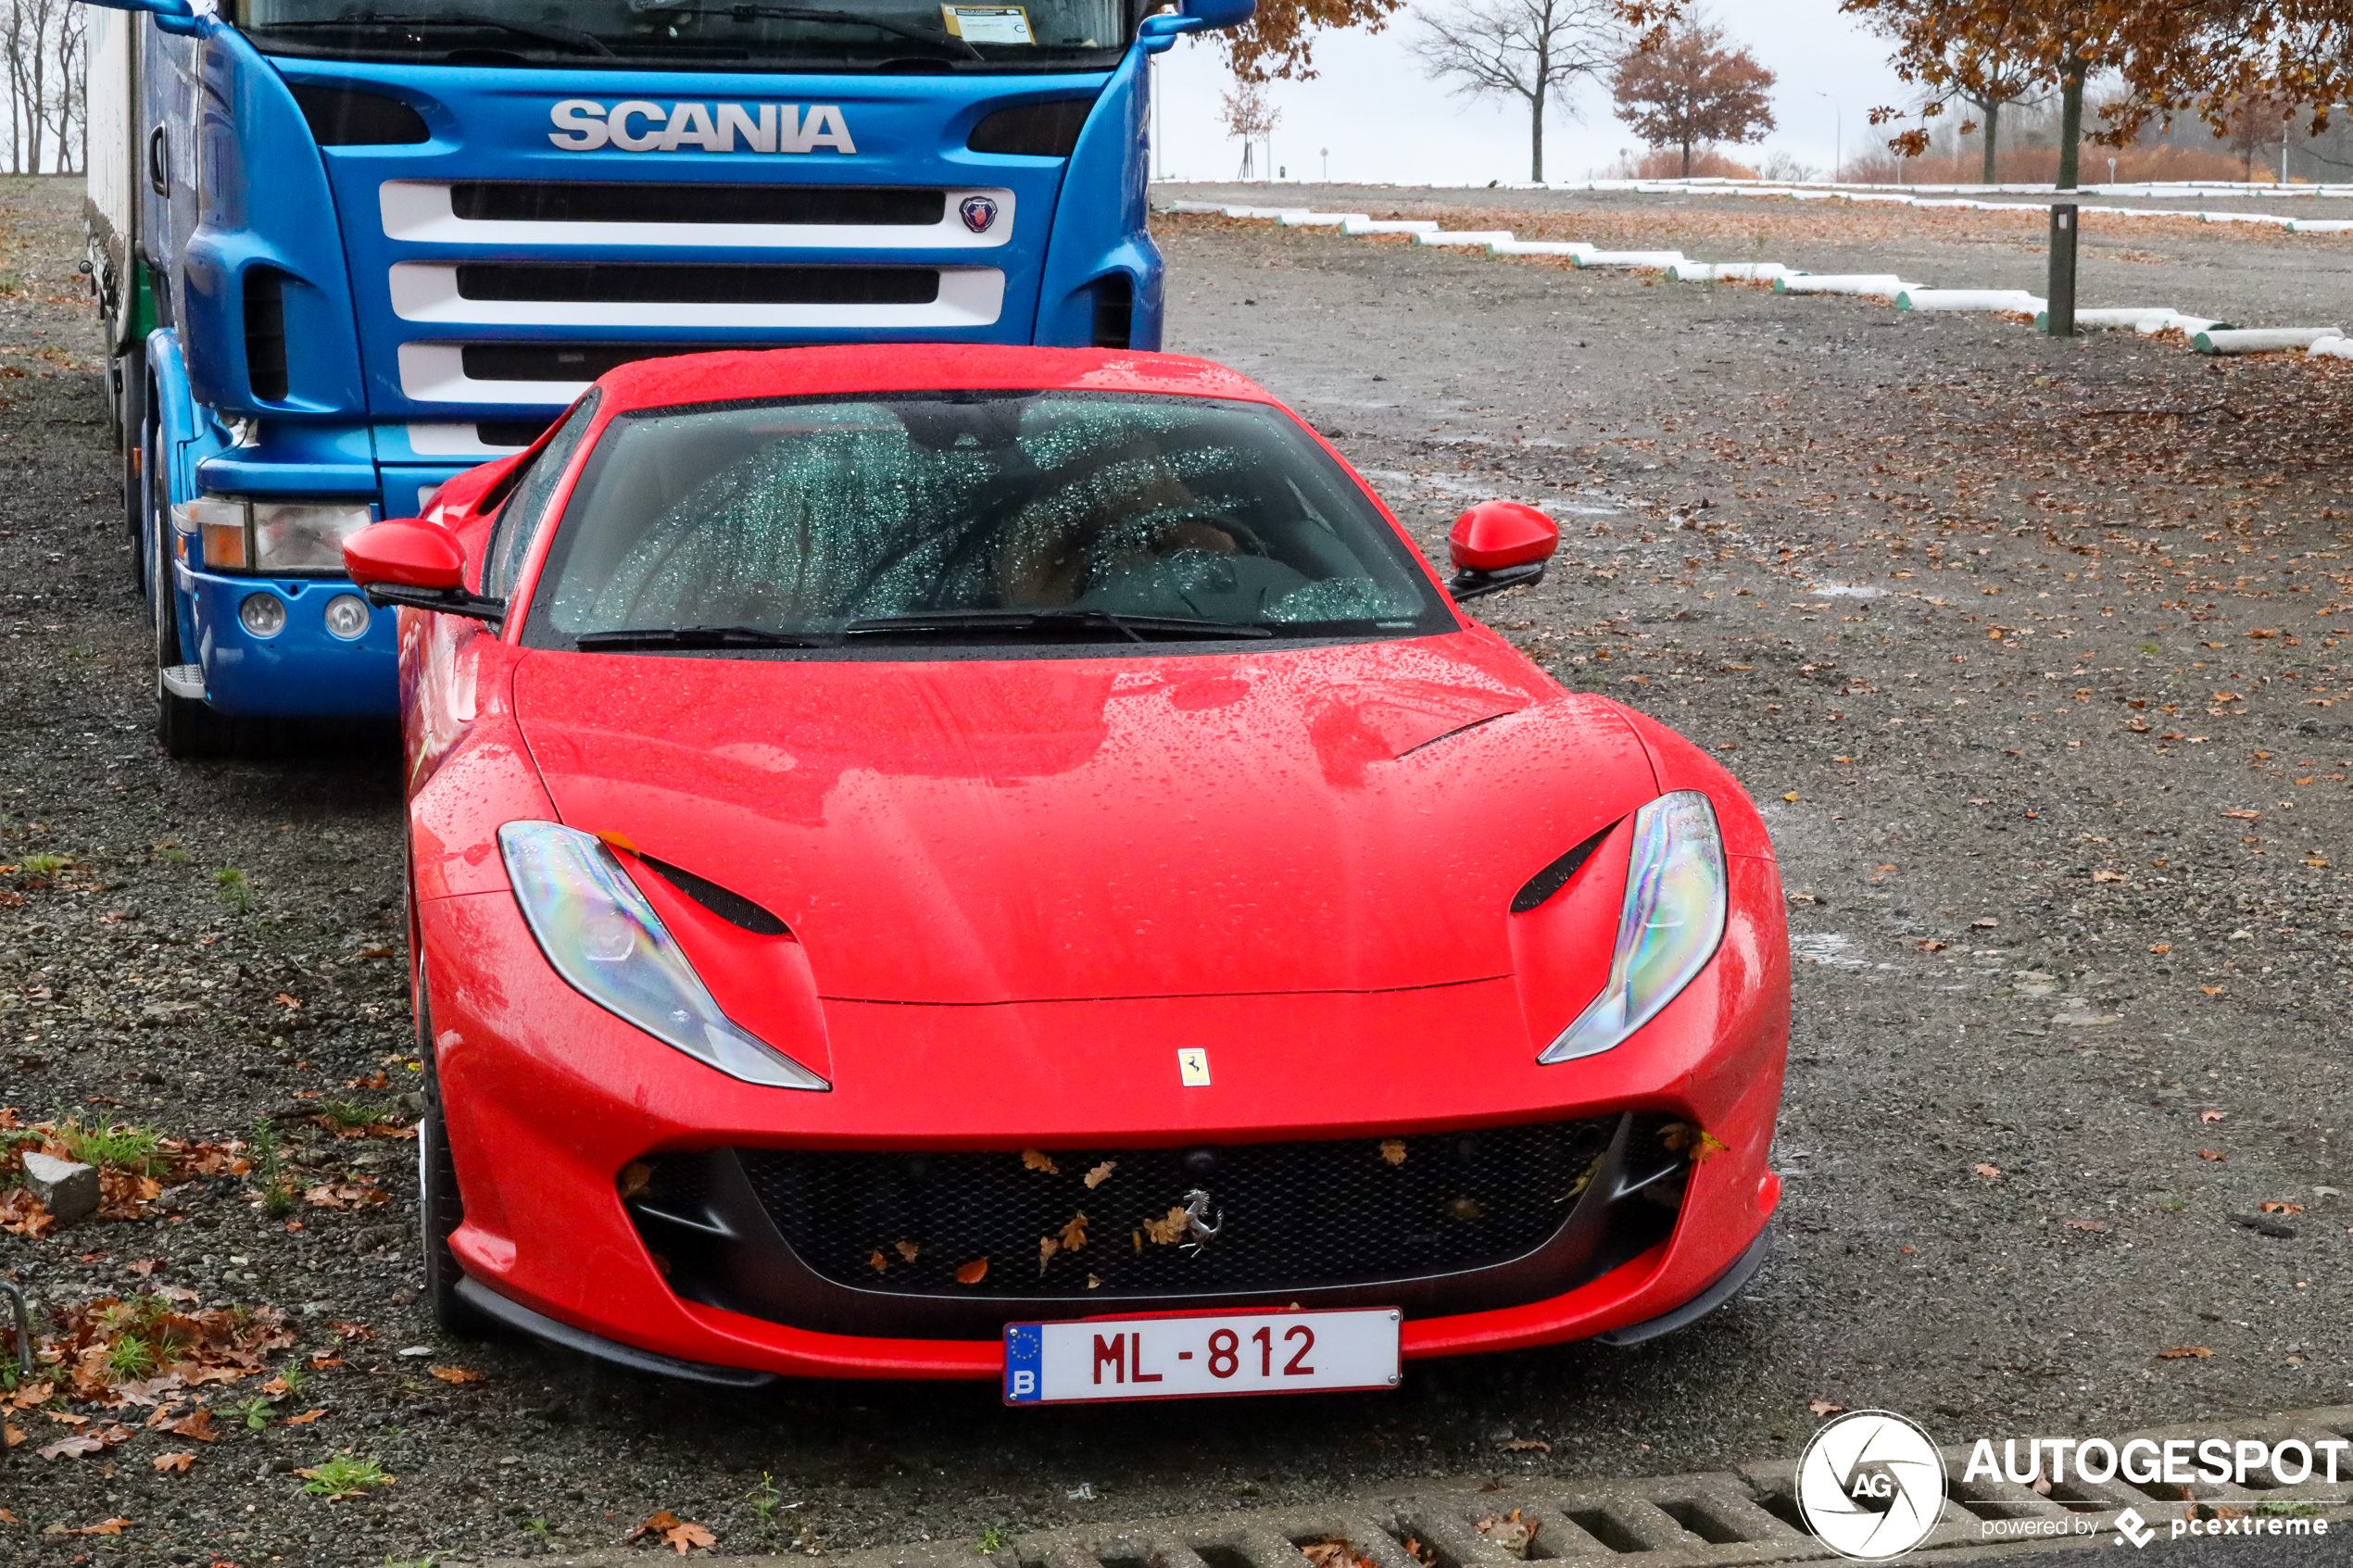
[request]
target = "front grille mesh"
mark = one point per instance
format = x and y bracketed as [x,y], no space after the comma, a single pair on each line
[628,282]
[639,202]
[1291,1215]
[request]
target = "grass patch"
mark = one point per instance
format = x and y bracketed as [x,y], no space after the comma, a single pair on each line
[278,1190]
[43,865]
[235,889]
[123,1148]
[354,1112]
[344,1476]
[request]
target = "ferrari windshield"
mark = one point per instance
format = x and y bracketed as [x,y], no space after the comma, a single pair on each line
[1050,34]
[1021,517]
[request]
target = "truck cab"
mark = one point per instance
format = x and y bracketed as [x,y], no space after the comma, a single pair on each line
[345,253]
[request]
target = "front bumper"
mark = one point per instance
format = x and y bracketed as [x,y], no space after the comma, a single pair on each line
[548,1099]
[304,672]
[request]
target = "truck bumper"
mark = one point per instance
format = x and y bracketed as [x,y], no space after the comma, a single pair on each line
[303,672]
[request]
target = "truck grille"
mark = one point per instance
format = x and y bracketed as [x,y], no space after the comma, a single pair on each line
[664,283]
[551,201]
[571,361]
[1290,1215]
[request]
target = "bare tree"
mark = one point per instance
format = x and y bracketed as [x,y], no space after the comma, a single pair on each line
[2257,124]
[71,122]
[1533,50]
[1249,116]
[1998,82]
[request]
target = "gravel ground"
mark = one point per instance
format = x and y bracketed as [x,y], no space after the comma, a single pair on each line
[2027,648]
[2253,276]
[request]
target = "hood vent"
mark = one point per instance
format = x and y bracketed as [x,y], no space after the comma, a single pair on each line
[1555,877]
[733,908]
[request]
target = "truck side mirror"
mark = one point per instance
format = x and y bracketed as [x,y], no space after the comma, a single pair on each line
[405,561]
[172,16]
[1499,545]
[1161,30]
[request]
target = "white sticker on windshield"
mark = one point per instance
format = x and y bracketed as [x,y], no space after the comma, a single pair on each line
[988,24]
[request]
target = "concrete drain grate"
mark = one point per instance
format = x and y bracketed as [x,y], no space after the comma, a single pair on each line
[1746,1515]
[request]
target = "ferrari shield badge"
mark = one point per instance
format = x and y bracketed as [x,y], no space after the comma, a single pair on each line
[1192,1067]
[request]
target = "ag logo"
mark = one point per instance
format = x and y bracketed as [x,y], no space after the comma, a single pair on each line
[1871,1485]
[978,213]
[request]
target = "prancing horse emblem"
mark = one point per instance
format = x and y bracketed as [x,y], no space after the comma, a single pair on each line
[1198,1229]
[978,213]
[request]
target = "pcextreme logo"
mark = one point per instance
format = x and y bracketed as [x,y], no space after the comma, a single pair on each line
[637,126]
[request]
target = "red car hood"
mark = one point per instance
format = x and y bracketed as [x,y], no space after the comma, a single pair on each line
[996,830]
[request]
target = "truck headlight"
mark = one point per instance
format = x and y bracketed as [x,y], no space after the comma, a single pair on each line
[604,938]
[270,536]
[1667,927]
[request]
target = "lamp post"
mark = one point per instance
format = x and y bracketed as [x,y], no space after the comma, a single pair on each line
[1326,153]
[1838,136]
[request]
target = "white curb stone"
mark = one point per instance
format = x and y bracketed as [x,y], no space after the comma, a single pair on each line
[2260,340]
[1970,299]
[1874,285]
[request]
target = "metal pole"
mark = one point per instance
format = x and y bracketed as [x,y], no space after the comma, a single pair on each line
[1838,135]
[2061,311]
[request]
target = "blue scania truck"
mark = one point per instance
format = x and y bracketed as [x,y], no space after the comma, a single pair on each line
[344,249]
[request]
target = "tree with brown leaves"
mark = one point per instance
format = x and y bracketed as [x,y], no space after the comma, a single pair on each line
[1280,40]
[1688,89]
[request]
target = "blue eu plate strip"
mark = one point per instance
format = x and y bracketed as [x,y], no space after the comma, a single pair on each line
[1023,1343]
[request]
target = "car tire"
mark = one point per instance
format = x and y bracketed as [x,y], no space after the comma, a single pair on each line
[440,1208]
[185,727]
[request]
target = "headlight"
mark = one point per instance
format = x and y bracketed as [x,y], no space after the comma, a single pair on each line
[1668,928]
[602,936]
[272,536]
[264,615]
[304,536]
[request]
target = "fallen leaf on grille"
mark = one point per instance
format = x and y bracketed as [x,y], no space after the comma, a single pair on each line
[2084,1224]
[972,1273]
[2197,1351]
[1074,1234]
[1047,1247]
[1100,1173]
[1823,1406]
[2274,1206]
[457,1374]
[1525,1446]
[103,1528]
[174,1462]
[907,1251]
[1394,1150]
[2214,1154]
[2213,1115]
[1334,1554]
[1990,1172]
[1168,1230]
[634,1178]
[1465,1209]
[1093,1283]
[1691,1143]
[876,1262]
[1512,1532]
[1036,1162]
[306,1418]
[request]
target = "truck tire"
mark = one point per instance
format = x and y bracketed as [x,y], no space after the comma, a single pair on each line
[184,726]
[440,1208]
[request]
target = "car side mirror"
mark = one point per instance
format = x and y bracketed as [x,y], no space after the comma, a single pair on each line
[405,561]
[1499,545]
[172,16]
[1162,30]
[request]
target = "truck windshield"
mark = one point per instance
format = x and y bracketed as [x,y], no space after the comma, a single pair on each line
[854,34]
[1030,518]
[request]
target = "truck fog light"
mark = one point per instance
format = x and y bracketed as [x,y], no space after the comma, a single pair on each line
[347,615]
[264,615]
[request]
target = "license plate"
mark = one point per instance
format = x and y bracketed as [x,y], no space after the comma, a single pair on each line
[1187,1357]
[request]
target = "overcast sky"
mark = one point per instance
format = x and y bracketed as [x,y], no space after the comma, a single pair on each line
[1383,120]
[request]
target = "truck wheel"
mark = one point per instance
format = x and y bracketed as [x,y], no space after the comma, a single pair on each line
[184,726]
[440,1210]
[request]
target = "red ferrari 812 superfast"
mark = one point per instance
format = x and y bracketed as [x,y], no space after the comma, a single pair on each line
[1005,863]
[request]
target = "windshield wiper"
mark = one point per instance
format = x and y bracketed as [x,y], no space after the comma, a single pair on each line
[1134,626]
[827,14]
[700,638]
[565,37]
